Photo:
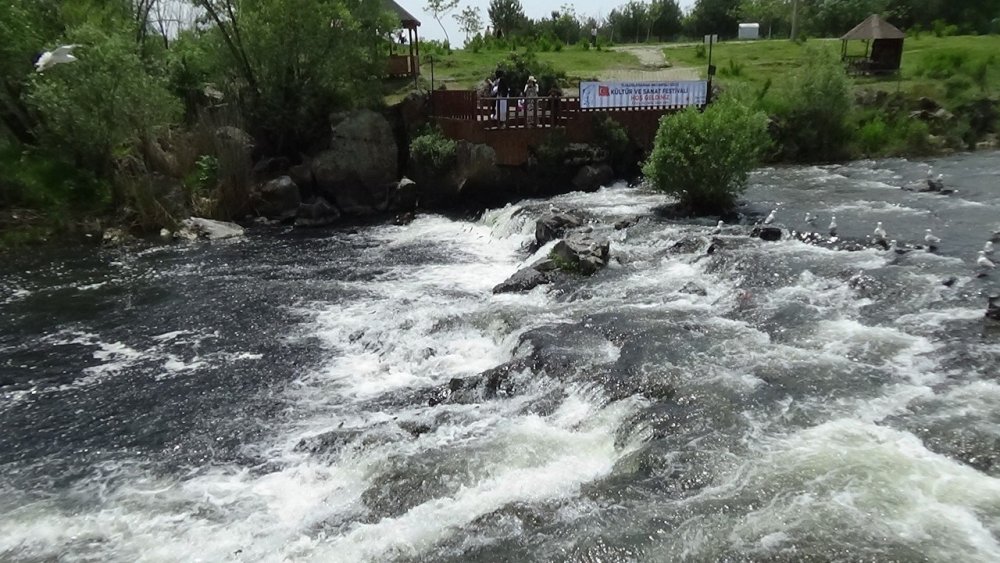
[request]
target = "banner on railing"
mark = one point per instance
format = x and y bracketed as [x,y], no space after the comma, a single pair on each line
[600,95]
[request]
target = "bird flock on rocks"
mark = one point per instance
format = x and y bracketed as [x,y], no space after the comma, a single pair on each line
[880,236]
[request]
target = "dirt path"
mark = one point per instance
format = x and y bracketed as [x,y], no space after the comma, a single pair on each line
[654,66]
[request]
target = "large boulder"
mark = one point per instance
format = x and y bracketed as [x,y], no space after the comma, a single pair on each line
[197,227]
[316,214]
[592,177]
[524,279]
[581,254]
[278,199]
[361,162]
[552,226]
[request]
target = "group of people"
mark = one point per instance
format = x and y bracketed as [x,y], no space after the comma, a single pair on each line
[498,86]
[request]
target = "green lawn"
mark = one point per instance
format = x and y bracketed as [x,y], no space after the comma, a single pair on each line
[465,69]
[934,66]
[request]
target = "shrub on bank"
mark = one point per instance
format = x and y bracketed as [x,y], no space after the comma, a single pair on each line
[814,114]
[705,158]
[433,152]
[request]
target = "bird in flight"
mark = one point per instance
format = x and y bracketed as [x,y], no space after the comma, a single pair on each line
[61,55]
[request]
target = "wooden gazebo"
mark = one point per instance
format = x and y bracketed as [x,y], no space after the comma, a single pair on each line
[403,65]
[883,47]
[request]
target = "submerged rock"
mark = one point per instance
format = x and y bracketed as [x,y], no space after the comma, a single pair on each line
[524,279]
[114,237]
[770,234]
[316,214]
[209,229]
[692,288]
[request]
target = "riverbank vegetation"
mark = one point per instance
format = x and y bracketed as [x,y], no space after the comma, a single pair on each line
[161,88]
[171,104]
[704,158]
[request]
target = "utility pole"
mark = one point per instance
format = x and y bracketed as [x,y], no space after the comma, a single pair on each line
[795,19]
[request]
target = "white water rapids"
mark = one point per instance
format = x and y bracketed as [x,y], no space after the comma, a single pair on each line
[808,404]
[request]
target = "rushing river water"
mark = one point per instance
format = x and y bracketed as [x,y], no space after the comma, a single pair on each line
[314,396]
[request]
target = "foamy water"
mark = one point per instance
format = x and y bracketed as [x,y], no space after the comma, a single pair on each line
[319,398]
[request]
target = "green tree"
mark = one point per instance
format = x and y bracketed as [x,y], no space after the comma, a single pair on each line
[507,16]
[813,116]
[629,22]
[104,105]
[715,16]
[705,158]
[666,19]
[299,60]
[774,16]
[440,9]
[833,18]
[470,21]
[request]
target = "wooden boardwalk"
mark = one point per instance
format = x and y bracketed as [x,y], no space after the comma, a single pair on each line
[529,122]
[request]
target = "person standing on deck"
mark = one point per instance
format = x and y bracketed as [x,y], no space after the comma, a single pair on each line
[501,89]
[531,95]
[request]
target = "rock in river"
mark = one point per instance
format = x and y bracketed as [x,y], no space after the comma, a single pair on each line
[551,226]
[581,253]
[524,279]
[209,229]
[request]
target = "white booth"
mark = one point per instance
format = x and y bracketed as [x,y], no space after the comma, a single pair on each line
[749,31]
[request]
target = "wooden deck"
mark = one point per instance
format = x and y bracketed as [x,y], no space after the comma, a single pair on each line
[529,122]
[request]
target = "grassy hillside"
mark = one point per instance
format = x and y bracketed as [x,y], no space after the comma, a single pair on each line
[940,67]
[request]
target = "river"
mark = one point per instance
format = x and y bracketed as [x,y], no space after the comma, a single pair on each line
[314,396]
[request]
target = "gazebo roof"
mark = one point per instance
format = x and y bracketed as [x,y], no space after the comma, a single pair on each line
[406,18]
[874,28]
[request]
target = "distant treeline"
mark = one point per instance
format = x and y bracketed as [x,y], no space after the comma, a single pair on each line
[664,20]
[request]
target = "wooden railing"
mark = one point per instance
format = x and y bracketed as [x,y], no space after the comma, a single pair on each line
[524,112]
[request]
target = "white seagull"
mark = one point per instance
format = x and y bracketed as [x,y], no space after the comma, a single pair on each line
[879,231]
[988,247]
[833,226]
[718,228]
[984,262]
[931,240]
[60,55]
[771,217]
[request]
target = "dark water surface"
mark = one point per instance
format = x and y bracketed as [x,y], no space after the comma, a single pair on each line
[296,397]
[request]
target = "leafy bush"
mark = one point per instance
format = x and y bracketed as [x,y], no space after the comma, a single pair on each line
[612,137]
[705,158]
[873,137]
[433,151]
[103,106]
[699,51]
[584,44]
[813,115]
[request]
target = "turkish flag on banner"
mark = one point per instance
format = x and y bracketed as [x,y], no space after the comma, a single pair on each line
[603,91]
